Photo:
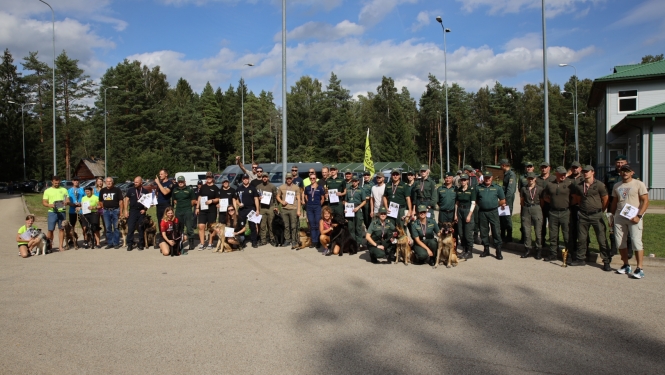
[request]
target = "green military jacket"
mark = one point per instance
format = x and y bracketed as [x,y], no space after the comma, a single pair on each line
[430,229]
[446,198]
[380,231]
[509,185]
[397,193]
[560,193]
[182,199]
[367,188]
[424,192]
[523,181]
[465,197]
[336,183]
[355,196]
[488,196]
[542,182]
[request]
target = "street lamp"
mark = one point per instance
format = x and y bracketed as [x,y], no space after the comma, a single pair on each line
[23,126]
[55,171]
[577,145]
[106,163]
[440,146]
[242,115]
[445,84]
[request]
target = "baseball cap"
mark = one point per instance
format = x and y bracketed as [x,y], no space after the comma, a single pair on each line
[424,167]
[288,177]
[181,178]
[528,164]
[561,170]
[383,210]
[450,174]
[422,208]
[487,174]
[620,157]
[544,164]
[410,173]
[347,171]
[366,173]
[626,167]
[245,176]
[530,175]
[395,170]
[504,161]
[225,180]
[199,182]
[468,168]
[464,176]
[588,168]
[209,174]
[576,164]
[75,178]
[334,166]
[354,178]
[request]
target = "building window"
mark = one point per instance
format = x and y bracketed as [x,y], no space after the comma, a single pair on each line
[628,101]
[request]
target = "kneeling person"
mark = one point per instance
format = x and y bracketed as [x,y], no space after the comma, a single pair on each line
[379,237]
[423,230]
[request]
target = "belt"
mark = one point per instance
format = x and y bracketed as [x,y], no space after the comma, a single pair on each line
[489,209]
[447,211]
[531,204]
[590,212]
[559,209]
[463,206]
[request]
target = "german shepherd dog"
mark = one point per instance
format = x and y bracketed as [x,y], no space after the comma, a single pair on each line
[341,236]
[447,247]
[149,231]
[278,229]
[88,235]
[304,238]
[122,226]
[403,249]
[70,235]
[222,245]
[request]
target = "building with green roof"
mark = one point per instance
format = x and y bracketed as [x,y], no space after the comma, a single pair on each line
[630,120]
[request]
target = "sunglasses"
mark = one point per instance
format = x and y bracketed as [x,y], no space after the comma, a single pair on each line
[294,170]
[254,166]
[230,209]
[259,170]
[395,174]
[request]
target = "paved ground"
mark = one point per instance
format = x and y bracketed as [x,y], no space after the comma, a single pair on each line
[279,311]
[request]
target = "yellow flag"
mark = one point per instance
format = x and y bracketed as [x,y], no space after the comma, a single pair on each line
[369,166]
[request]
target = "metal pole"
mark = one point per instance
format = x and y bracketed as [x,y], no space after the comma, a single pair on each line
[284,159]
[23,126]
[105,157]
[440,146]
[242,117]
[577,144]
[545,89]
[445,80]
[55,171]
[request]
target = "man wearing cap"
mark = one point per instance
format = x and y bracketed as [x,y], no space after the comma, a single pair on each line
[445,199]
[473,182]
[423,231]
[227,198]
[558,195]
[524,182]
[424,191]
[367,188]
[542,181]
[532,215]
[75,193]
[592,197]
[347,178]
[397,192]
[509,189]
[576,177]
[612,178]
[489,198]
[629,192]
[336,183]
[268,194]
[290,211]
[465,204]
[379,237]
[248,201]
[252,174]
[183,200]
[206,208]
[356,195]
[378,190]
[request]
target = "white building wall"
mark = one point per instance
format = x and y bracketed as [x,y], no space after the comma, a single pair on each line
[649,93]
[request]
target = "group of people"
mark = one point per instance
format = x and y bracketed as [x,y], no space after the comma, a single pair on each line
[568,202]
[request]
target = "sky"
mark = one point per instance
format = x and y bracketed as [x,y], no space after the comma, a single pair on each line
[359,40]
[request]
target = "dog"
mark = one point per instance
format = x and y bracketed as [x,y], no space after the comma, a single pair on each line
[176,236]
[222,245]
[149,231]
[278,229]
[43,243]
[304,239]
[122,226]
[88,236]
[70,235]
[341,236]
[446,250]
[403,249]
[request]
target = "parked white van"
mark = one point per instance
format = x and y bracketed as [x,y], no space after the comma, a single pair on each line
[192,178]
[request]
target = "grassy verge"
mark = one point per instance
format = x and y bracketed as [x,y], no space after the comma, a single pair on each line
[34,203]
[657,203]
[654,231]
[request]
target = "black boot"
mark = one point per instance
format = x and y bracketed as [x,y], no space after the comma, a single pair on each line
[372,257]
[431,261]
[498,253]
[390,257]
[476,239]
[538,254]
[469,252]
[486,252]
[526,253]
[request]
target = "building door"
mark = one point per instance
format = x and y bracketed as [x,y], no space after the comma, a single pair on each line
[612,154]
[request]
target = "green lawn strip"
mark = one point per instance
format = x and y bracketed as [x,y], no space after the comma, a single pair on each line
[657,203]
[34,203]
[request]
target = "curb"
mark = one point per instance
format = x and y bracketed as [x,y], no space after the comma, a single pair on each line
[517,248]
[25,206]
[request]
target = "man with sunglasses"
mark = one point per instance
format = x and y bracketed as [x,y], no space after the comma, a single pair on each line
[400,193]
[336,183]
[576,177]
[252,174]
[611,179]
[296,179]
[268,193]
[524,182]
[259,177]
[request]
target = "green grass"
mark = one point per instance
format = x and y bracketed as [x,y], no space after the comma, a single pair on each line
[34,203]
[654,231]
[657,203]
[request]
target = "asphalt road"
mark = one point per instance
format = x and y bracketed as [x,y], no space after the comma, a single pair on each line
[279,311]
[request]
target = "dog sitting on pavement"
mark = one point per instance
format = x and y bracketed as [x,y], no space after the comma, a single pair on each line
[340,236]
[43,243]
[219,229]
[402,249]
[149,232]
[446,250]
[304,239]
[70,236]
[278,229]
[122,226]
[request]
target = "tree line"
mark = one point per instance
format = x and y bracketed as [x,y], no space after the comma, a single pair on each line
[152,125]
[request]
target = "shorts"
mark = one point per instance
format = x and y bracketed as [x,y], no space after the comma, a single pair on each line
[53,218]
[623,226]
[207,217]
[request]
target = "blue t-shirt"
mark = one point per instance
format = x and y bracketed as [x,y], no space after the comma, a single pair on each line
[75,196]
[298,182]
[165,199]
[314,195]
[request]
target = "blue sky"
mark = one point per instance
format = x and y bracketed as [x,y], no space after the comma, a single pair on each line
[361,40]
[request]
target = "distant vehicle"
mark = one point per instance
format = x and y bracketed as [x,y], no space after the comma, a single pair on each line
[3,187]
[85,183]
[192,178]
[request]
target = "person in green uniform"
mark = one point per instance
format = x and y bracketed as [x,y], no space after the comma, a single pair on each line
[445,199]
[576,177]
[473,182]
[367,188]
[267,193]
[397,192]
[532,214]
[184,198]
[424,191]
[528,166]
[423,231]
[489,197]
[356,195]
[465,204]
[592,196]
[333,182]
[509,190]
[379,238]
[347,177]
[558,194]
[612,178]
[542,180]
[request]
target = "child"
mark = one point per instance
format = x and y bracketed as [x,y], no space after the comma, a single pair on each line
[25,246]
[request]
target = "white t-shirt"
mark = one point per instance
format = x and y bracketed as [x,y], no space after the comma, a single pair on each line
[377,196]
[629,193]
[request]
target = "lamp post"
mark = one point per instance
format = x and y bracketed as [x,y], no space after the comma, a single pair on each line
[242,113]
[577,145]
[445,84]
[23,126]
[55,171]
[440,146]
[546,109]
[105,157]
[284,132]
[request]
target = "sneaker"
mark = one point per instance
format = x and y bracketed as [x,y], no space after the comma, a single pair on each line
[638,274]
[109,247]
[202,247]
[624,269]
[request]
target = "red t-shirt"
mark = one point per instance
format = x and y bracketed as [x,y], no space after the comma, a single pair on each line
[168,226]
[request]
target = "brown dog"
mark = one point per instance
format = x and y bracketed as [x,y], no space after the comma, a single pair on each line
[403,249]
[70,235]
[219,229]
[149,231]
[447,247]
[122,226]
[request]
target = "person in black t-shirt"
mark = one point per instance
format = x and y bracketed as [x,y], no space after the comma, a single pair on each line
[164,188]
[259,177]
[135,212]
[248,200]
[228,193]
[111,198]
[210,192]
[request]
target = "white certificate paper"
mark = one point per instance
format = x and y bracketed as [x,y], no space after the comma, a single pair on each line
[332,196]
[393,210]
[223,204]
[154,198]
[290,197]
[27,235]
[203,205]
[629,211]
[85,208]
[146,200]
[254,217]
[504,211]
[267,196]
[348,210]
[228,232]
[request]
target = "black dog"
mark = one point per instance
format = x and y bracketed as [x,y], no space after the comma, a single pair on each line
[341,236]
[278,229]
[88,235]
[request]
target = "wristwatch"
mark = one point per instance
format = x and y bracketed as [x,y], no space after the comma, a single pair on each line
[640,216]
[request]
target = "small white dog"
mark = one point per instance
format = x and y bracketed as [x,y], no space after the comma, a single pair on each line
[42,244]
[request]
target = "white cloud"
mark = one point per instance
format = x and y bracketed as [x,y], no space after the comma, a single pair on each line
[649,11]
[422,19]
[553,7]
[96,10]
[375,10]
[529,41]
[322,31]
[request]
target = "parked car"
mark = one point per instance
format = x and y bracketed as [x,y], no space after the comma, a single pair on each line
[3,187]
